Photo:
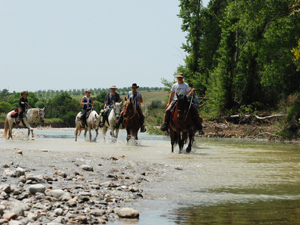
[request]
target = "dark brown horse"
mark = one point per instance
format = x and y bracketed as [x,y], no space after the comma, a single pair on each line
[181,124]
[131,120]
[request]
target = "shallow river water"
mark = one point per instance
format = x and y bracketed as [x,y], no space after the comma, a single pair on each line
[222,181]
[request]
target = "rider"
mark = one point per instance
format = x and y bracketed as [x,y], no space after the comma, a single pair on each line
[23,104]
[137,100]
[180,88]
[110,98]
[87,102]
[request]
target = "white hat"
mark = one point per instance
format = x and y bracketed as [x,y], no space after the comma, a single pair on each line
[113,87]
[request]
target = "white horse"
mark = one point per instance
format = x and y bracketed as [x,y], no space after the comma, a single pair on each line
[113,118]
[92,123]
[28,119]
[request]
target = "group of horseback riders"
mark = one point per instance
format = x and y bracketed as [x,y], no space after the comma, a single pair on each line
[179,88]
[110,98]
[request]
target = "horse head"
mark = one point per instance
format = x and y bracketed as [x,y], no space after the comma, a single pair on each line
[117,109]
[129,107]
[41,114]
[183,106]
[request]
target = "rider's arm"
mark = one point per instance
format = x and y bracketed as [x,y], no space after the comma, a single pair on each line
[170,97]
[83,103]
[139,98]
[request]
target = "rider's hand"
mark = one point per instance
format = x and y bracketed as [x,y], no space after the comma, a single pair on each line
[168,105]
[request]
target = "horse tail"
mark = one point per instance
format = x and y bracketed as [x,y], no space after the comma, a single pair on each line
[6,127]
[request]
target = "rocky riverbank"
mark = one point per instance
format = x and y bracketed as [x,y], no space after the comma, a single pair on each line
[45,187]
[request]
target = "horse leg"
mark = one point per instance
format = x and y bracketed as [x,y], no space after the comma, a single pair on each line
[128,135]
[90,134]
[76,133]
[117,133]
[180,141]
[96,134]
[111,130]
[85,131]
[10,132]
[104,129]
[191,139]
[173,139]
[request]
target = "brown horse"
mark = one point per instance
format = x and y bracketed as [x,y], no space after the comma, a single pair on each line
[131,120]
[182,124]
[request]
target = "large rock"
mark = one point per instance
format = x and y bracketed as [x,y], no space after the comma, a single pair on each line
[59,194]
[19,172]
[19,208]
[6,188]
[128,213]
[37,188]
[30,178]
[15,222]
[10,215]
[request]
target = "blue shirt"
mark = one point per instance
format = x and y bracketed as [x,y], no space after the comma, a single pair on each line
[134,98]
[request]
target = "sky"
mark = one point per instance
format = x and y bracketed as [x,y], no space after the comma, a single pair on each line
[72,44]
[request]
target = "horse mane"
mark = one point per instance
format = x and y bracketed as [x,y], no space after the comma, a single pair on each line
[129,101]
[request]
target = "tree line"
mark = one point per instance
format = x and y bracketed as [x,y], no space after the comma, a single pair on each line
[242,54]
[64,105]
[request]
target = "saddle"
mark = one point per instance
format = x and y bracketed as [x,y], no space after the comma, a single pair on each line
[15,113]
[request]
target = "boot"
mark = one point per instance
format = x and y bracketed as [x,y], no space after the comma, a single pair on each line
[83,123]
[165,126]
[102,121]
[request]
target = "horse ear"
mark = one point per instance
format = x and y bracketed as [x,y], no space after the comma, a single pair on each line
[113,102]
[125,99]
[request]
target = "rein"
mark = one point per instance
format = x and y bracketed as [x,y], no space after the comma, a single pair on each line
[189,107]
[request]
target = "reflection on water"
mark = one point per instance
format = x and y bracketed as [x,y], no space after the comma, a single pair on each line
[256,212]
[222,181]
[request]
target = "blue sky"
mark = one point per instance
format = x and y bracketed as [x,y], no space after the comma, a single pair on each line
[72,44]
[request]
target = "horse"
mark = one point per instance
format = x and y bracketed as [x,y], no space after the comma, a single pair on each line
[113,118]
[92,122]
[181,124]
[131,119]
[28,121]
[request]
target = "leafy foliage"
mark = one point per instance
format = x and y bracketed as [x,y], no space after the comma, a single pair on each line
[239,52]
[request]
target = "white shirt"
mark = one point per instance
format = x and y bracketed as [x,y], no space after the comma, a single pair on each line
[180,89]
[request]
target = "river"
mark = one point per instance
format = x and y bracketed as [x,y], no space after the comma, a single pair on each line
[222,181]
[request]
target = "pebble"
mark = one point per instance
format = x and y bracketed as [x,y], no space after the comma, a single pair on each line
[87,168]
[37,188]
[78,198]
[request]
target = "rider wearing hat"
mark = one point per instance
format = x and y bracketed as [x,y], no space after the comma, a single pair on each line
[137,100]
[87,102]
[180,88]
[110,98]
[23,104]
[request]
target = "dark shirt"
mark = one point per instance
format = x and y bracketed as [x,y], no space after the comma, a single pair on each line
[109,99]
[23,106]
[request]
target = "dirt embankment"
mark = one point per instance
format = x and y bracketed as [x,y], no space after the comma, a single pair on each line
[237,128]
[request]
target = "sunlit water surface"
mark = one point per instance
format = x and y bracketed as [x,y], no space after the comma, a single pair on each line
[222,181]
